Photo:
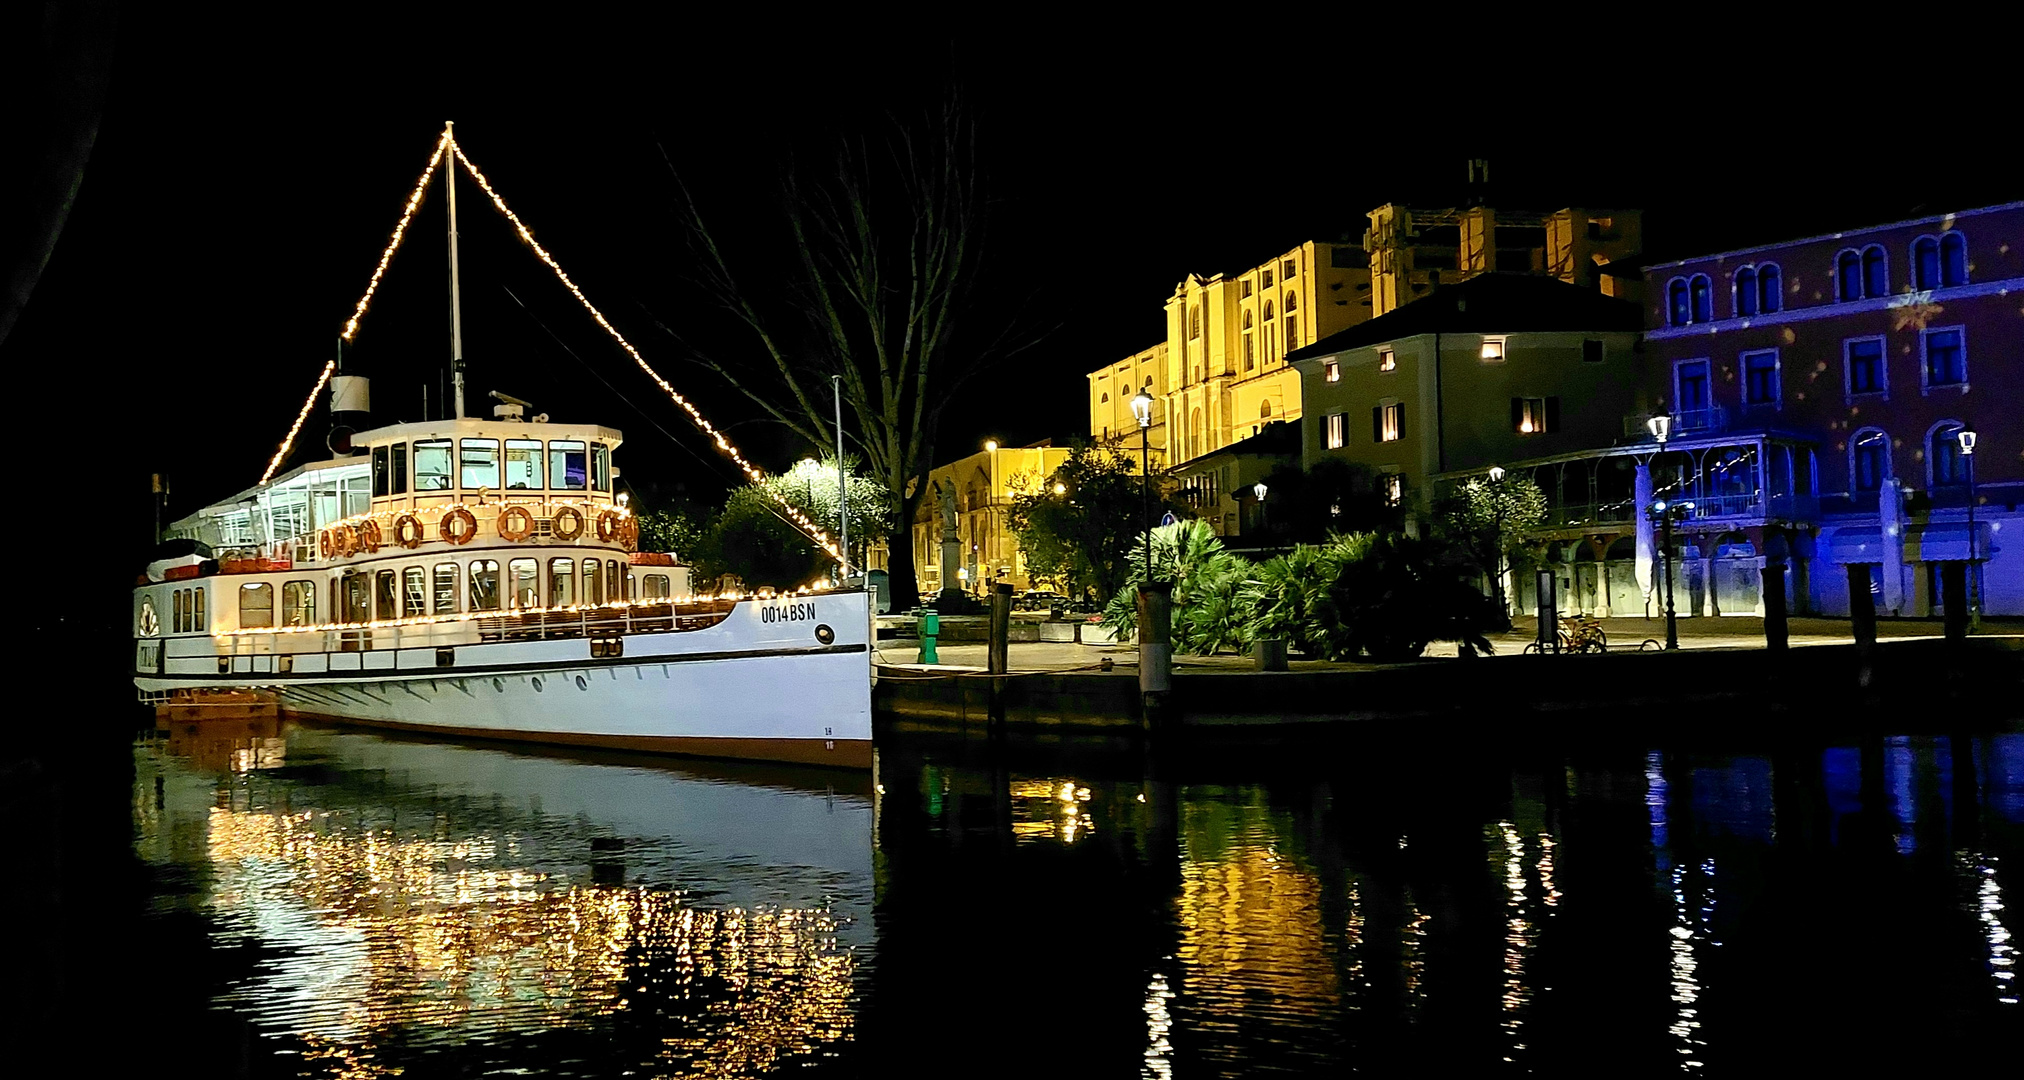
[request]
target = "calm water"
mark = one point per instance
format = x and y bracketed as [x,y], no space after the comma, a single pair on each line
[350,905]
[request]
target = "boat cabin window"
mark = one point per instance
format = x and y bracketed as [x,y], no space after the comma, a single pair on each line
[298,603]
[525,574]
[357,597]
[600,466]
[187,607]
[615,580]
[593,582]
[414,591]
[523,464]
[480,464]
[256,605]
[446,588]
[561,583]
[567,468]
[386,599]
[656,587]
[398,470]
[382,484]
[432,465]
[484,585]
[357,495]
[390,470]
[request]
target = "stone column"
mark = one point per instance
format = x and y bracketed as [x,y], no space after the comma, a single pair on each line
[1705,546]
[1601,589]
[1647,548]
[1890,514]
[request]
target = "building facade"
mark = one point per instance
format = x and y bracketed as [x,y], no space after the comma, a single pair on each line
[984,485]
[1221,376]
[1474,375]
[1814,393]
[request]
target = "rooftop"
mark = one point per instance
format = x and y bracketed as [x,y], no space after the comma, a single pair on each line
[1493,303]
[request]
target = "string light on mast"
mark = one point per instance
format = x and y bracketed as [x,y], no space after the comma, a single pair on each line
[751,471]
[443,143]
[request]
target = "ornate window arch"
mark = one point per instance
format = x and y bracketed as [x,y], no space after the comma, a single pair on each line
[1926,263]
[1745,291]
[1875,271]
[1954,258]
[1944,464]
[1702,291]
[1268,311]
[1848,275]
[1770,288]
[1678,312]
[1292,302]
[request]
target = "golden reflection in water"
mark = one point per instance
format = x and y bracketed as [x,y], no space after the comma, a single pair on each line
[1159,1049]
[1517,930]
[1250,917]
[379,932]
[1050,809]
[1988,905]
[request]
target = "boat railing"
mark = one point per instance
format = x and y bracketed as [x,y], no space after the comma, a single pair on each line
[646,618]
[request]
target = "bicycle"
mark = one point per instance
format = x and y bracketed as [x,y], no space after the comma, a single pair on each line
[1580,634]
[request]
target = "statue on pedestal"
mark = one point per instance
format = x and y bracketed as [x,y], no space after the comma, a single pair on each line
[952,591]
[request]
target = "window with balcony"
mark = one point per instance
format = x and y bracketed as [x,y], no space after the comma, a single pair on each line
[1863,358]
[1691,393]
[1868,460]
[1946,356]
[1388,422]
[1337,423]
[1760,377]
[1943,454]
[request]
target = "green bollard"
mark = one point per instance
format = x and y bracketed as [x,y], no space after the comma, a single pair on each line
[931,627]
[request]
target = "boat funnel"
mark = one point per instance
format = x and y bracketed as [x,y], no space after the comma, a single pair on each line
[350,405]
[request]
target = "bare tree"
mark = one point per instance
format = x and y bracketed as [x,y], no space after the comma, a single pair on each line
[888,250]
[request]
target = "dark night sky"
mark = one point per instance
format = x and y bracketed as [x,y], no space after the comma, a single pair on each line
[248,171]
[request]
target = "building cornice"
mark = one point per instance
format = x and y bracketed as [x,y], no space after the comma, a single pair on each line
[1845,233]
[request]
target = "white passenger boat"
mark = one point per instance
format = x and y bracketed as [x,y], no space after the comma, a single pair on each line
[481,578]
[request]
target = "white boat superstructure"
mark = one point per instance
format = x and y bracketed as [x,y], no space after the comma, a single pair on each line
[480,578]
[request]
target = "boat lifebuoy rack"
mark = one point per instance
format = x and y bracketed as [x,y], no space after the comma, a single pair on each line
[408,531]
[568,523]
[368,536]
[458,526]
[607,526]
[342,540]
[327,545]
[515,523]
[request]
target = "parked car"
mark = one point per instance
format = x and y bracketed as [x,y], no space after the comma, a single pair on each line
[1041,600]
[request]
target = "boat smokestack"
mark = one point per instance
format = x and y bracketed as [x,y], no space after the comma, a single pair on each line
[350,410]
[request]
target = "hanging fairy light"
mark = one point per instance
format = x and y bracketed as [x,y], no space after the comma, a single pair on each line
[702,423]
[358,312]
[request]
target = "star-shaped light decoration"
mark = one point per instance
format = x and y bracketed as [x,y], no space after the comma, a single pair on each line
[1914,310]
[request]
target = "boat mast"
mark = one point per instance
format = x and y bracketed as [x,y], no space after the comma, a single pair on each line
[456,302]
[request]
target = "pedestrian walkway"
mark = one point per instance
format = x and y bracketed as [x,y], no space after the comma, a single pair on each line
[1726,632]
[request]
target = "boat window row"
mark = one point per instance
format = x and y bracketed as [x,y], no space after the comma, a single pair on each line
[499,464]
[186,611]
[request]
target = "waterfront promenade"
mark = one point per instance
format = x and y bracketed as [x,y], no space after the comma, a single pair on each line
[1727,632]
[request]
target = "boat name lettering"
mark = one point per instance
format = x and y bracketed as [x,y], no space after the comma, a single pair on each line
[787,612]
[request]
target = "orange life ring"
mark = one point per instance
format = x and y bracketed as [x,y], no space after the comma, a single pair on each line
[629,534]
[344,540]
[368,536]
[607,526]
[408,531]
[574,528]
[462,533]
[328,547]
[522,523]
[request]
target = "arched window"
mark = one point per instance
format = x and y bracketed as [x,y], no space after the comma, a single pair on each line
[1848,275]
[1746,291]
[1247,320]
[1703,292]
[1925,263]
[1868,460]
[1268,311]
[1943,454]
[1104,398]
[1770,289]
[1292,302]
[1875,271]
[1265,410]
[1194,322]
[1953,259]
[1677,311]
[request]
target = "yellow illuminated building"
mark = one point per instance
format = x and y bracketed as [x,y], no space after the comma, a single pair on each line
[1221,375]
[984,485]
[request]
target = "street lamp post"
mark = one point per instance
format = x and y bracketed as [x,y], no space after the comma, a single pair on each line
[1665,512]
[1497,553]
[1258,489]
[1967,437]
[1142,411]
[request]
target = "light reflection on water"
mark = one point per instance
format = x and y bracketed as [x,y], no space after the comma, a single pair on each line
[1655,913]
[413,897]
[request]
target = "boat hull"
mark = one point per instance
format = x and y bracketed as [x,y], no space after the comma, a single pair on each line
[754,686]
